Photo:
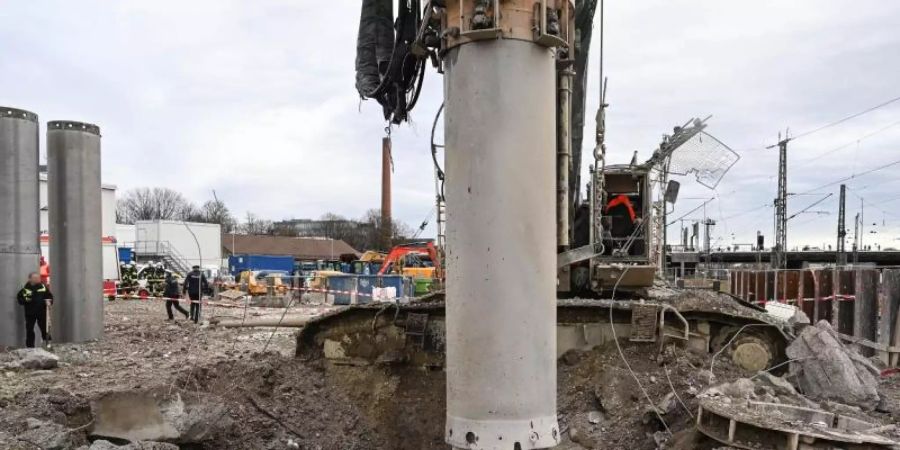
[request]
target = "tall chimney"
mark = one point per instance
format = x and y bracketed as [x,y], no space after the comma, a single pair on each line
[386,227]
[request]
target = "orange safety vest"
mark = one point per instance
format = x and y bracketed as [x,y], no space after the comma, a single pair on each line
[44,271]
[622,200]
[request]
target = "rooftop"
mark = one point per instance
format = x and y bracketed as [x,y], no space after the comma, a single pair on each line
[300,248]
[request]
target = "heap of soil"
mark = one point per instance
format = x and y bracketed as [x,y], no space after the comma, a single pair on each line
[277,401]
[325,406]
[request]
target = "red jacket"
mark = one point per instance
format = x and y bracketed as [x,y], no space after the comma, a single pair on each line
[624,201]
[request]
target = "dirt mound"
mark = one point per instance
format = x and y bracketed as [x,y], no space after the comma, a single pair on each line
[276,401]
[602,406]
[325,406]
[273,399]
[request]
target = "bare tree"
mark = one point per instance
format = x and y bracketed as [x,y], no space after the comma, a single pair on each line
[362,234]
[152,204]
[283,229]
[215,211]
[253,224]
[400,232]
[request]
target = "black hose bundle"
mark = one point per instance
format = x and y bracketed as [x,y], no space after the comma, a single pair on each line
[386,68]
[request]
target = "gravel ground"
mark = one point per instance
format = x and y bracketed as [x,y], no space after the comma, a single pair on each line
[141,348]
[273,400]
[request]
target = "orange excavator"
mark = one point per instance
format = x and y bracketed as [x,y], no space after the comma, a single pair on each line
[406,259]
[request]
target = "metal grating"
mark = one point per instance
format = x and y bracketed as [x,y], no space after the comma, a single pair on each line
[704,156]
[416,326]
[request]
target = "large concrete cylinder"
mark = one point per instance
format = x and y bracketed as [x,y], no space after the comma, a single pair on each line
[73,164]
[501,245]
[19,216]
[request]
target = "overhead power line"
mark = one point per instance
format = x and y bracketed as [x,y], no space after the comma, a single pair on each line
[690,212]
[768,205]
[850,117]
[809,207]
[855,175]
[869,204]
[855,141]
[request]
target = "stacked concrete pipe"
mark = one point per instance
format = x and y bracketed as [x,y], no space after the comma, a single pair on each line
[19,216]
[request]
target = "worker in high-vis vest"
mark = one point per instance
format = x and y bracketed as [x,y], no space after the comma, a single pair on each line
[35,297]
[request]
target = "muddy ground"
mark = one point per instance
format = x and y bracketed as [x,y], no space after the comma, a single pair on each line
[273,400]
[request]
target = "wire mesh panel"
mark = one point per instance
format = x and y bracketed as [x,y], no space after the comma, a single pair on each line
[704,156]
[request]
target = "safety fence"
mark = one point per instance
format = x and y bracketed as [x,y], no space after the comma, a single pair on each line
[860,303]
[338,289]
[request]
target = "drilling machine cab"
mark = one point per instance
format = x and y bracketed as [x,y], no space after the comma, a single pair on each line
[627,238]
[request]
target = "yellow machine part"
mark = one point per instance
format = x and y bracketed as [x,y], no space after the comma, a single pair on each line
[319,280]
[418,272]
[255,287]
[372,256]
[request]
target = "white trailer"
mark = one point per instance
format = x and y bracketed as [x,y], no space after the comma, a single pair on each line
[179,244]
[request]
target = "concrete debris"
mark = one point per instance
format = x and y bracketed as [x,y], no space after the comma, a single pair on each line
[46,435]
[779,385]
[660,438]
[789,314]
[667,404]
[156,415]
[753,424]
[101,444]
[762,388]
[821,362]
[595,417]
[579,438]
[740,389]
[771,404]
[30,359]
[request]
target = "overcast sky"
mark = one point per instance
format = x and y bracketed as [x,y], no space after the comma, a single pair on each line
[256,101]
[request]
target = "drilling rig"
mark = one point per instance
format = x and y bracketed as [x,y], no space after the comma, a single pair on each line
[532,270]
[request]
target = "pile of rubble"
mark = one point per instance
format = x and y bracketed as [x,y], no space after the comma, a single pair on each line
[153,384]
[831,397]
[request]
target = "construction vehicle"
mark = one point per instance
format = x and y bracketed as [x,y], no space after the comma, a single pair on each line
[610,247]
[372,256]
[416,260]
[262,282]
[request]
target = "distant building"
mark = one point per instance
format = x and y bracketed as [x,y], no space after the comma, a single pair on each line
[301,249]
[178,244]
[322,228]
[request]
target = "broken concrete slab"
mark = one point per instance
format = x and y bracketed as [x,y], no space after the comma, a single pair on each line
[667,404]
[778,384]
[822,362]
[31,359]
[101,444]
[157,415]
[48,435]
[742,388]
